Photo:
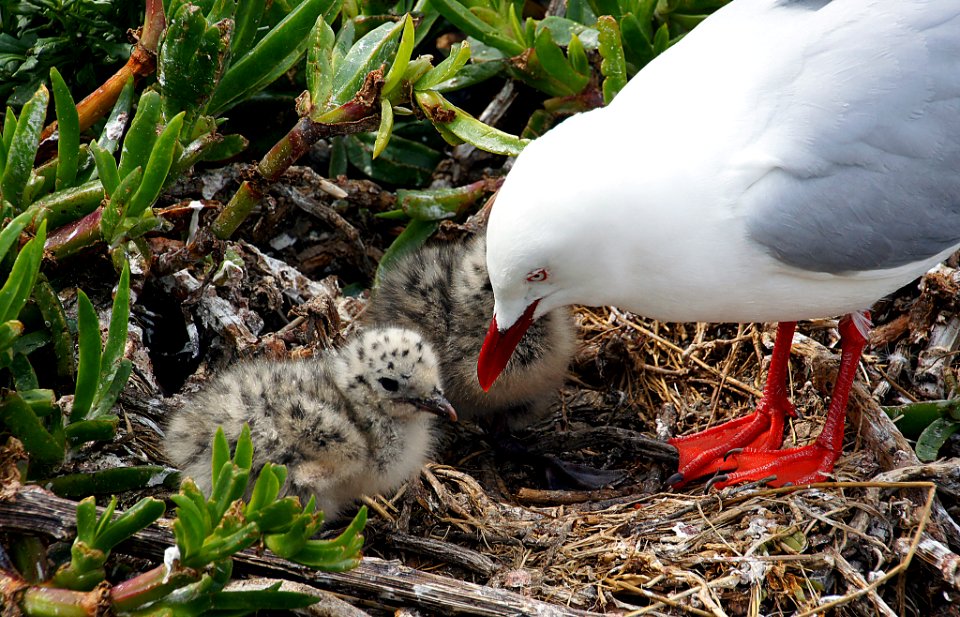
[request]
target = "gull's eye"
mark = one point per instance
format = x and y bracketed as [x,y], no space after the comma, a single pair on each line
[537,276]
[388,384]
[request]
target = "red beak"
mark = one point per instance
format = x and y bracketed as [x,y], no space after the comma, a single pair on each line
[498,347]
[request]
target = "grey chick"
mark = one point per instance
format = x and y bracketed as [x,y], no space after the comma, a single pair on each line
[349,422]
[443,291]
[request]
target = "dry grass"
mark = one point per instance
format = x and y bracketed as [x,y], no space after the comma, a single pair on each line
[842,547]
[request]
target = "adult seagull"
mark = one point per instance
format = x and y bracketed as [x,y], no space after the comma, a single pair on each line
[788,159]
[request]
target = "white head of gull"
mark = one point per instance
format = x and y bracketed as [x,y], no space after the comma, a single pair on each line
[788,159]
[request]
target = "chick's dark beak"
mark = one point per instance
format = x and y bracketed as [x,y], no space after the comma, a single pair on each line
[436,404]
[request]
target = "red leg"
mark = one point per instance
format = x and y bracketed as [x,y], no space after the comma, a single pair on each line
[706,452]
[814,462]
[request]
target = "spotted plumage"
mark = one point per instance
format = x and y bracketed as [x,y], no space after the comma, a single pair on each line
[345,423]
[443,291]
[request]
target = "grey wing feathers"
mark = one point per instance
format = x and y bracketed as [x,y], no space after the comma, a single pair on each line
[866,148]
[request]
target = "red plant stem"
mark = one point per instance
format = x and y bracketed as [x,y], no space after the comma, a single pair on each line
[42,601]
[150,586]
[74,236]
[142,62]
[353,118]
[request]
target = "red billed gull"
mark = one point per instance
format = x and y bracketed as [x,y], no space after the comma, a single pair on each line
[786,160]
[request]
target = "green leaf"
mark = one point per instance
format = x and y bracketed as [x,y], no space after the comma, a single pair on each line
[138,144]
[471,75]
[272,56]
[224,148]
[577,55]
[459,54]
[68,130]
[913,418]
[12,230]
[106,168]
[158,165]
[613,66]
[68,205]
[114,480]
[23,148]
[86,519]
[933,438]
[41,401]
[116,209]
[189,59]
[138,517]
[461,17]
[439,204]
[24,377]
[341,553]
[265,490]
[444,113]
[88,340]
[402,59]
[55,319]
[104,428]
[278,515]
[23,424]
[320,63]
[402,162]
[605,7]
[221,452]
[9,331]
[19,284]
[114,369]
[366,55]
[9,127]
[243,453]
[637,46]
[661,40]
[246,23]
[386,127]
[554,63]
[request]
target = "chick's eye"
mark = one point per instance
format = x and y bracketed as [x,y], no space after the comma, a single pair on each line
[388,384]
[537,276]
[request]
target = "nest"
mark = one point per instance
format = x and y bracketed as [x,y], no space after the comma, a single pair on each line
[876,540]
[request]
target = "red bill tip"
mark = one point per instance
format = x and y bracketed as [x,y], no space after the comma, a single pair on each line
[498,347]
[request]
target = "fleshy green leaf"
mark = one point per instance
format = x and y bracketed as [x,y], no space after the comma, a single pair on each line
[933,438]
[460,16]
[386,127]
[88,367]
[459,54]
[158,165]
[444,113]
[138,144]
[23,148]
[613,66]
[401,60]
[68,130]
[367,54]
[320,67]
[272,56]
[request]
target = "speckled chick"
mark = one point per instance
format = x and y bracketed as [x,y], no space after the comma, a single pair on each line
[347,423]
[443,291]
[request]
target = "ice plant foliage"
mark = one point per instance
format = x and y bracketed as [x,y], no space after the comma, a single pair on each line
[209,530]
